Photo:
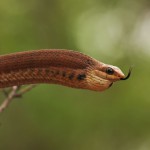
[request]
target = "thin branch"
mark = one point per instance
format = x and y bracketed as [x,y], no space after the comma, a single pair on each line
[24,90]
[9,98]
[16,92]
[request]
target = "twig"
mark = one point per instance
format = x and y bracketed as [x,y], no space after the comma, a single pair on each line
[15,92]
[24,90]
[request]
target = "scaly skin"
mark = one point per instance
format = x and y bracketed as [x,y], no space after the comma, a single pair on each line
[65,67]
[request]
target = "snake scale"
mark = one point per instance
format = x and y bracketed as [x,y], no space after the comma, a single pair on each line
[57,66]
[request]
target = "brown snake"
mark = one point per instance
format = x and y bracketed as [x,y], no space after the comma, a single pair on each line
[65,67]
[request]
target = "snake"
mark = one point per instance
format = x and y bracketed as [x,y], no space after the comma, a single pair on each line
[57,66]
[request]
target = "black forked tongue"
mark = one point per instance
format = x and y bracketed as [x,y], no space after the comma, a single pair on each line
[129,73]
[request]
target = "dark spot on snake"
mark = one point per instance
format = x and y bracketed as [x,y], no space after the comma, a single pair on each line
[63,73]
[59,64]
[81,76]
[57,72]
[89,62]
[47,71]
[52,71]
[71,76]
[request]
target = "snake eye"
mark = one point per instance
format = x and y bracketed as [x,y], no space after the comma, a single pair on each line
[109,71]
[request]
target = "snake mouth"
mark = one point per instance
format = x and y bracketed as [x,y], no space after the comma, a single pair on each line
[129,73]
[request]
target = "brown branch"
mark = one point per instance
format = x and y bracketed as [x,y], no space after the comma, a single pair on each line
[15,92]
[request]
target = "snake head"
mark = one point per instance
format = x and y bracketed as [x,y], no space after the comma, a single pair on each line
[113,73]
[104,75]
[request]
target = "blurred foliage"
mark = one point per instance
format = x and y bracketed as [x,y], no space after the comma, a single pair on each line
[55,117]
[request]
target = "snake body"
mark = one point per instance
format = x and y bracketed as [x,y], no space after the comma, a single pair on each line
[65,67]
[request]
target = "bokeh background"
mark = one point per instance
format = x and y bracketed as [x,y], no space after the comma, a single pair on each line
[53,117]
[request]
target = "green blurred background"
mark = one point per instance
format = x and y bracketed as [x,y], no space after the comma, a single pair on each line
[54,117]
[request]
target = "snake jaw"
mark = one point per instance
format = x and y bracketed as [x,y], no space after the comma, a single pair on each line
[96,82]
